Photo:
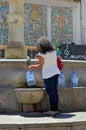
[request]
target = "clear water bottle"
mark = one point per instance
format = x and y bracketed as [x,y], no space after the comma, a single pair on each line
[30,78]
[74,79]
[61,80]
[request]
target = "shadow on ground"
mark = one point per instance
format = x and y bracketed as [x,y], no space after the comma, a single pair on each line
[24,114]
[40,114]
[63,115]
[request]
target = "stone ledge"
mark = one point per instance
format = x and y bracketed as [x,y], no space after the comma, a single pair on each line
[37,121]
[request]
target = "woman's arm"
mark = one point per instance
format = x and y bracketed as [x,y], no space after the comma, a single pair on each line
[38,66]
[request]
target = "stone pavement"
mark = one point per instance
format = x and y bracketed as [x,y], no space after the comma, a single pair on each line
[39,121]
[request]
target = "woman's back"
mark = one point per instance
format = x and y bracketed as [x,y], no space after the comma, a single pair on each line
[50,66]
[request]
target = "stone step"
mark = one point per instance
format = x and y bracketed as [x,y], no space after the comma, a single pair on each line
[38,121]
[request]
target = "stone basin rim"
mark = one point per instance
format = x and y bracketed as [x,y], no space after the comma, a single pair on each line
[24,60]
[29,95]
[29,89]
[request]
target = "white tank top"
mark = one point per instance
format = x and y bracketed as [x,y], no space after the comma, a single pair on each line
[50,65]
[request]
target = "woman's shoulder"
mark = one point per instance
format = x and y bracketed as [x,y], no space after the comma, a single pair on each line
[39,55]
[54,52]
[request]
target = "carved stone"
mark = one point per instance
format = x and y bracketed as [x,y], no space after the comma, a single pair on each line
[16,48]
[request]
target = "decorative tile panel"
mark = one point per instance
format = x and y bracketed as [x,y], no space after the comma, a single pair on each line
[4,9]
[35,22]
[61,25]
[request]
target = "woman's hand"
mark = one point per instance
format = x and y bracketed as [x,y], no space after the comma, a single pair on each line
[30,67]
[37,66]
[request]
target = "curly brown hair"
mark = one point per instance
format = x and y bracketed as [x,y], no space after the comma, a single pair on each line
[44,45]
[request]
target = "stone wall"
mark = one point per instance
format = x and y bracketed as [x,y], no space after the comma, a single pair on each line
[12,76]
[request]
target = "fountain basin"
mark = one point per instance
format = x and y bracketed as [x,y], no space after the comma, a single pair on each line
[29,95]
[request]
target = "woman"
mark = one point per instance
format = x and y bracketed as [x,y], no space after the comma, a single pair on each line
[47,62]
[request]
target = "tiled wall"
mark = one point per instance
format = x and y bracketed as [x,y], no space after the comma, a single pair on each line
[36,23]
[61,28]
[4,9]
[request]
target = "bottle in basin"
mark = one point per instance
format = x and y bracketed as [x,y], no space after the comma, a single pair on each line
[30,78]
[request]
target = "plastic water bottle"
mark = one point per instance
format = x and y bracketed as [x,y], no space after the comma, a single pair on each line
[61,80]
[30,78]
[74,79]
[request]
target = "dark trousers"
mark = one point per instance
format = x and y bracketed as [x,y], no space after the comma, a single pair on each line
[51,88]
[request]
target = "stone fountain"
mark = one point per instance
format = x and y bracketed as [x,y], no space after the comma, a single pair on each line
[15,96]
[14,67]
